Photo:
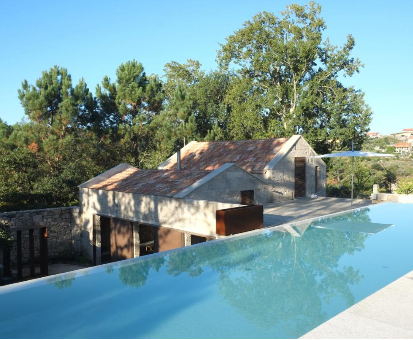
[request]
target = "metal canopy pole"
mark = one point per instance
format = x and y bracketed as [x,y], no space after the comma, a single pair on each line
[352,172]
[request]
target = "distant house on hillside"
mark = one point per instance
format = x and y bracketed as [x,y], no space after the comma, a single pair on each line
[373,134]
[403,147]
[126,211]
[410,140]
[406,133]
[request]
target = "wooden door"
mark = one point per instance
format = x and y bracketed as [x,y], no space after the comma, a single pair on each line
[121,240]
[167,239]
[105,239]
[299,177]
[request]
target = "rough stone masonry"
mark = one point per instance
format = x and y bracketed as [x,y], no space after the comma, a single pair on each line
[64,231]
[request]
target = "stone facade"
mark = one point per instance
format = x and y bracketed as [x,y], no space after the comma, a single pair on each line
[281,175]
[64,231]
[227,186]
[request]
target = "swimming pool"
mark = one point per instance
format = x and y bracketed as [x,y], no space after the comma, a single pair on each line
[279,282]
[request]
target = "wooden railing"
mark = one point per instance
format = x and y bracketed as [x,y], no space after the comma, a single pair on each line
[19,257]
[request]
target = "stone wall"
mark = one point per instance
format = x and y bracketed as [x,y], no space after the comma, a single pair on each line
[397,198]
[64,231]
[227,186]
[282,176]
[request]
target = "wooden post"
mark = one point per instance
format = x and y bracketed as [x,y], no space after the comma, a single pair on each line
[94,239]
[6,263]
[44,270]
[31,252]
[19,255]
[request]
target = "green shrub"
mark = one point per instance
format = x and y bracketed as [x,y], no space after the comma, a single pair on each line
[6,240]
[405,186]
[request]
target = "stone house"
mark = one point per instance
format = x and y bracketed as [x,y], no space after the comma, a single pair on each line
[373,134]
[284,163]
[403,147]
[127,212]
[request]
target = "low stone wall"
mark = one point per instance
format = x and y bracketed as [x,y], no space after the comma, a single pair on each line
[399,198]
[64,231]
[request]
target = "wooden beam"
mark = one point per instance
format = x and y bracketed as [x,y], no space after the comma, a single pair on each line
[31,252]
[19,255]
[6,263]
[44,269]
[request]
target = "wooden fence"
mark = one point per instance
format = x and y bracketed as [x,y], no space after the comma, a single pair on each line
[18,244]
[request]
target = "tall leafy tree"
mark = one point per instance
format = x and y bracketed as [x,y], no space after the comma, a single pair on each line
[289,79]
[130,105]
[186,75]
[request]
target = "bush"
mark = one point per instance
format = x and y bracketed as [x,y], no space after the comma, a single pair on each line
[6,240]
[390,149]
[405,186]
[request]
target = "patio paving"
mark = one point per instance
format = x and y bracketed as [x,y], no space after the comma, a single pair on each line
[304,208]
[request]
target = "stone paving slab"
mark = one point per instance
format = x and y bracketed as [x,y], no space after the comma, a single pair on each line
[304,208]
[386,314]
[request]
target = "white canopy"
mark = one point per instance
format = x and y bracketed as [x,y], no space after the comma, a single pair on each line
[354,154]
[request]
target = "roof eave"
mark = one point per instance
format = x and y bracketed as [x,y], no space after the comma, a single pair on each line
[107,174]
[288,145]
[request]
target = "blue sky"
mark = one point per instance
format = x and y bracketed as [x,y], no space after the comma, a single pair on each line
[92,38]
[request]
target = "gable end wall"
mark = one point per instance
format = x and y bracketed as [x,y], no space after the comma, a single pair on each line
[281,177]
[227,187]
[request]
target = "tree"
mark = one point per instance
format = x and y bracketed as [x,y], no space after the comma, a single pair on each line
[6,240]
[130,105]
[53,153]
[289,80]
[185,75]
[405,186]
[179,114]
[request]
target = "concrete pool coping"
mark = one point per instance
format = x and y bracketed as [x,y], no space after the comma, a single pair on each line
[386,314]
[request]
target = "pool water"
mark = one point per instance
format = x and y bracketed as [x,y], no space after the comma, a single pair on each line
[276,283]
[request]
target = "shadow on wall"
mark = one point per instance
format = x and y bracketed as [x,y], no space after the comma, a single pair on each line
[191,216]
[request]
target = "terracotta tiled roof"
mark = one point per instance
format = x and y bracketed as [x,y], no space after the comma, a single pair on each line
[372,133]
[251,155]
[408,130]
[149,182]
[402,145]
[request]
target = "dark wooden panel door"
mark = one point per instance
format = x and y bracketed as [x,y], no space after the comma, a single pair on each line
[167,239]
[121,240]
[105,239]
[299,177]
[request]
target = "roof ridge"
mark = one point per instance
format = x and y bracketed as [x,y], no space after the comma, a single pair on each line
[243,140]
